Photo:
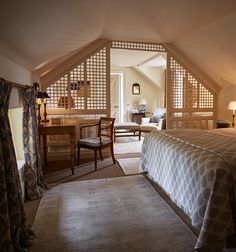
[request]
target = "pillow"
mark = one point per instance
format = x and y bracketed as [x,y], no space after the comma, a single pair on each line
[157,115]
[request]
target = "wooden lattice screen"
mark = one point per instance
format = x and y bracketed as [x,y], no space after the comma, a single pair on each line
[84,89]
[138,46]
[191,103]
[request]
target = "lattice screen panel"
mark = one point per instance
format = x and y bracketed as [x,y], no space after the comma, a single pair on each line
[190,102]
[78,86]
[206,99]
[96,74]
[138,46]
[84,89]
[178,75]
[58,94]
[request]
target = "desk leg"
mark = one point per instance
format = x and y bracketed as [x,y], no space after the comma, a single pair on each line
[72,151]
[45,147]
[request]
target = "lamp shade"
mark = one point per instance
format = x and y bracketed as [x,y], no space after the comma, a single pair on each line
[40,94]
[143,101]
[232,105]
[45,95]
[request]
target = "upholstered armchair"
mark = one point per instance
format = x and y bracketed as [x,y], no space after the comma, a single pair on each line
[156,122]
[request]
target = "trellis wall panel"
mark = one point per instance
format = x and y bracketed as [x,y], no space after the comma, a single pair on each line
[85,89]
[190,101]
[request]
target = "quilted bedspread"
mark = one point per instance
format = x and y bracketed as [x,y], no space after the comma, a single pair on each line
[197,169]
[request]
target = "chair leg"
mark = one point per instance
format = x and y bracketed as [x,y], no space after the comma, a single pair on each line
[139,134]
[114,135]
[95,159]
[78,155]
[112,154]
[100,153]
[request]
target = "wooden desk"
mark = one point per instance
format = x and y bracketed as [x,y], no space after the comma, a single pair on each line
[136,117]
[49,129]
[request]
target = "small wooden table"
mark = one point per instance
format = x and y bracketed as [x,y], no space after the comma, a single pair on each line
[49,129]
[136,116]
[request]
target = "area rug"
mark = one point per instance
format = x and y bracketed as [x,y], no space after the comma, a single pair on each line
[129,166]
[124,145]
[116,214]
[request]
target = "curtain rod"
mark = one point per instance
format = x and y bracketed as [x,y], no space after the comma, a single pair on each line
[17,85]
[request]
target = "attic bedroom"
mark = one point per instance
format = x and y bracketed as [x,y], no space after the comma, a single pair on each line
[118,125]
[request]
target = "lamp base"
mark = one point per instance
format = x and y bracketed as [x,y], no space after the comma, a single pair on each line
[45,120]
[142,108]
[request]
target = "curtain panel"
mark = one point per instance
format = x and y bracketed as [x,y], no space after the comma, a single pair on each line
[14,231]
[34,180]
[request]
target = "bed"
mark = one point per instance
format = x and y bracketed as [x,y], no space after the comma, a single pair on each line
[197,170]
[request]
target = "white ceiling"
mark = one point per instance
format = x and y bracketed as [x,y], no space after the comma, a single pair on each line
[35,33]
[132,58]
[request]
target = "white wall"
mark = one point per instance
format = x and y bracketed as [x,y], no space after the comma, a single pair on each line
[227,94]
[11,71]
[153,94]
[156,74]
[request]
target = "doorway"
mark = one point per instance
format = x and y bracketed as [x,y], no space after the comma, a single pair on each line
[144,68]
[117,96]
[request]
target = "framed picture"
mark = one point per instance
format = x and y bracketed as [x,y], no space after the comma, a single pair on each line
[136,89]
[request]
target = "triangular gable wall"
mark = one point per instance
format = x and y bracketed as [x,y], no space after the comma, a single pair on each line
[85,86]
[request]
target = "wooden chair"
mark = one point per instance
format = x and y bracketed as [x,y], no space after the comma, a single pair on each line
[103,138]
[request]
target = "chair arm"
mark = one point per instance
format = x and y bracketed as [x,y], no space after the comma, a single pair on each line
[162,124]
[145,120]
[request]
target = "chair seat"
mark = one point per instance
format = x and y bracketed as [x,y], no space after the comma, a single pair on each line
[94,141]
[149,127]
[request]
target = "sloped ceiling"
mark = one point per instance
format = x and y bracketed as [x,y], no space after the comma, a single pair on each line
[37,33]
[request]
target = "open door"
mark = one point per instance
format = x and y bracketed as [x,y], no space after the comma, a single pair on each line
[117,97]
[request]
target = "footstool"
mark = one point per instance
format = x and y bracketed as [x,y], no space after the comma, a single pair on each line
[124,128]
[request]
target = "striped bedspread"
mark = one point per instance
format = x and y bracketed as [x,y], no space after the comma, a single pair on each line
[197,169]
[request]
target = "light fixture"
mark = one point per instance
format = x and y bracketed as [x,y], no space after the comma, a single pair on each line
[232,106]
[45,97]
[39,102]
[143,103]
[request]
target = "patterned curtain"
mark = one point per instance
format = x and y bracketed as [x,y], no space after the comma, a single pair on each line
[34,181]
[14,231]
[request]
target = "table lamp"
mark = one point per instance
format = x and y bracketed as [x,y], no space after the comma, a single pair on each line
[143,103]
[232,106]
[45,97]
[39,102]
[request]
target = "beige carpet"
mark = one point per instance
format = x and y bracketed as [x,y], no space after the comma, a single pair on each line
[116,214]
[124,145]
[129,166]
[106,169]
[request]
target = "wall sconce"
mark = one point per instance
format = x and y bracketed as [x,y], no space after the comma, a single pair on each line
[39,102]
[136,89]
[45,97]
[232,106]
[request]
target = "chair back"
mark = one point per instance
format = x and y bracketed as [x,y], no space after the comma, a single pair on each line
[106,127]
